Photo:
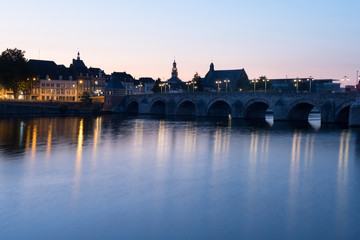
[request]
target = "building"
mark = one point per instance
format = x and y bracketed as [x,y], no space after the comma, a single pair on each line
[91,80]
[305,85]
[144,85]
[234,79]
[114,93]
[53,82]
[59,83]
[174,84]
[126,80]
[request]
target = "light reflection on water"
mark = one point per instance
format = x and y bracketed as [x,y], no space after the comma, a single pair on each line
[144,178]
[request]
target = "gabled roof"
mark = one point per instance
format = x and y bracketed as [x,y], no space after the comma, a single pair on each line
[114,83]
[45,68]
[123,76]
[214,75]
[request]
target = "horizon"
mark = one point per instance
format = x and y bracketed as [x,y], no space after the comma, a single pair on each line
[277,39]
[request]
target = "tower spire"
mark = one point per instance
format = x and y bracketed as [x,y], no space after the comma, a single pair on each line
[78,55]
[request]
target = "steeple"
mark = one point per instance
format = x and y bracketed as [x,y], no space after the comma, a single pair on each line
[174,72]
[78,56]
[212,68]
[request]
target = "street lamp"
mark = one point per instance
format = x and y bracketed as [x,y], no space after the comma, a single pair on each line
[297,81]
[139,86]
[345,79]
[188,85]
[266,80]
[218,82]
[310,79]
[226,81]
[254,81]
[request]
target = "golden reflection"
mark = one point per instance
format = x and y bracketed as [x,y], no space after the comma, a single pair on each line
[294,172]
[48,145]
[190,138]
[27,141]
[342,173]
[343,155]
[254,147]
[139,131]
[309,149]
[33,144]
[162,140]
[222,141]
[97,133]
[78,161]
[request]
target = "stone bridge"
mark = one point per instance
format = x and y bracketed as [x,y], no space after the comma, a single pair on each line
[333,107]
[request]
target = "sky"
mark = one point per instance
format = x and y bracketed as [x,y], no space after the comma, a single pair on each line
[272,38]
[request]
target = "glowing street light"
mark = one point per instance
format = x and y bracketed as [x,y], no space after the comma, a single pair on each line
[254,81]
[188,85]
[310,79]
[226,81]
[345,79]
[218,82]
[266,80]
[297,81]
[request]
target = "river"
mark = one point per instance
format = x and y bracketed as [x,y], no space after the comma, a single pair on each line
[114,177]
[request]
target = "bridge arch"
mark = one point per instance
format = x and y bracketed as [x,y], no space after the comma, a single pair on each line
[342,112]
[186,107]
[218,107]
[157,106]
[300,109]
[256,108]
[133,107]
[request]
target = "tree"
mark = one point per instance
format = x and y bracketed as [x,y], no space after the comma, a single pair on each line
[156,88]
[86,98]
[198,85]
[243,83]
[14,70]
[260,85]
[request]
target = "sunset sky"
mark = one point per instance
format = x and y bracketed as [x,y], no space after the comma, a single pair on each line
[273,38]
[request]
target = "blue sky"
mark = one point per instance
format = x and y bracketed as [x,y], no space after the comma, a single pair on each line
[272,38]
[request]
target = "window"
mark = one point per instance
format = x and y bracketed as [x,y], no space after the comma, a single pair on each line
[58,85]
[43,84]
[48,85]
[52,85]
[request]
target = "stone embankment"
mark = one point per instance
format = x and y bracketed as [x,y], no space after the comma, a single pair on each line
[32,108]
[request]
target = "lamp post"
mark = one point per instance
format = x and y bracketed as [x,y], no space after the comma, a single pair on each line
[140,86]
[188,85]
[218,82]
[345,79]
[266,80]
[226,81]
[310,79]
[254,81]
[77,88]
[297,81]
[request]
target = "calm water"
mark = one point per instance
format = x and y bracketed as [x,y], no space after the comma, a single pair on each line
[141,178]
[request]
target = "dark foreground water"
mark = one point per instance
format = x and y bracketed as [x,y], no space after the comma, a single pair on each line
[139,178]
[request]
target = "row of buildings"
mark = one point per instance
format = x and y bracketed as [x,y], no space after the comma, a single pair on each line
[53,82]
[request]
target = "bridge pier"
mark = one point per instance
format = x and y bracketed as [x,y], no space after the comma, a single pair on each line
[354,117]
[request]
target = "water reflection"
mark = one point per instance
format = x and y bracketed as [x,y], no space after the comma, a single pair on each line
[235,175]
[78,161]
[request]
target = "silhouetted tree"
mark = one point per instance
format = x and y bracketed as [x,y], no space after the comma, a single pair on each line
[198,85]
[14,71]
[86,98]
[243,83]
[260,85]
[156,88]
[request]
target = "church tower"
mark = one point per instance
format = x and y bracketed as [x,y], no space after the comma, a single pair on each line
[174,72]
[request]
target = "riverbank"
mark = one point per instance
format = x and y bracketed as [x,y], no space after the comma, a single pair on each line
[36,108]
